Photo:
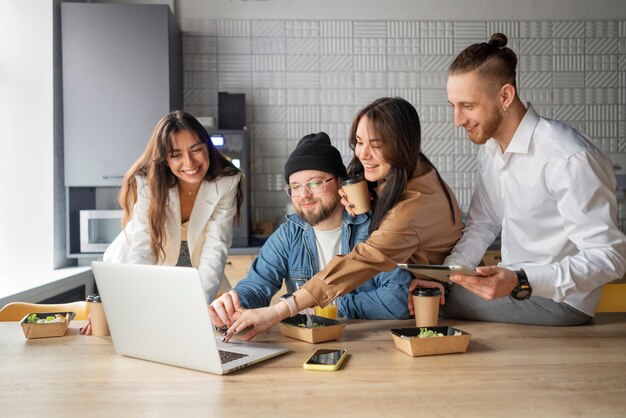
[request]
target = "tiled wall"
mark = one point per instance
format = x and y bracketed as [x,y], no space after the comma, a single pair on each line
[309,76]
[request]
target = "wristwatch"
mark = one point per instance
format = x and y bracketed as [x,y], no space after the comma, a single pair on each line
[523,290]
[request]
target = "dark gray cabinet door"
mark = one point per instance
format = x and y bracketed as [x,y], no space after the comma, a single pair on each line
[117,83]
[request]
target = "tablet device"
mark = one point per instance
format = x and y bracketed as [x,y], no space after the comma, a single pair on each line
[439,272]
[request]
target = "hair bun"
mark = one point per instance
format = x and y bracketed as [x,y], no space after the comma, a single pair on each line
[499,40]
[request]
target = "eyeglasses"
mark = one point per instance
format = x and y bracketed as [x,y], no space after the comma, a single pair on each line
[313,186]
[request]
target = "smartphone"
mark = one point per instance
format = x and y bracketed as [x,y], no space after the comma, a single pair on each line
[325,360]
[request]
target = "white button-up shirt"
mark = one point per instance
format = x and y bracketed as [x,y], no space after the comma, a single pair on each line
[552,196]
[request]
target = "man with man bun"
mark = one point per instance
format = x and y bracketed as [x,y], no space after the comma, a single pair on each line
[545,187]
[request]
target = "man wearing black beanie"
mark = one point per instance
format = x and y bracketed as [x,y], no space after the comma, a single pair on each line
[306,242]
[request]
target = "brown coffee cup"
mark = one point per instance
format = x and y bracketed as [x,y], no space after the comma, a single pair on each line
[357,192]
[426,306]
[99,324]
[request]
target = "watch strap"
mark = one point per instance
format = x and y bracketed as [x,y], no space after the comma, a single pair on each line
[291,304]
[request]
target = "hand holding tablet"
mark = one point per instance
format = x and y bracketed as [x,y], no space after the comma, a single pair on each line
[438,272]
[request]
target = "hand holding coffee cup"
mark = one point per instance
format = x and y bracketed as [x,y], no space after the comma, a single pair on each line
[356,194]
[98,325]
[426,306]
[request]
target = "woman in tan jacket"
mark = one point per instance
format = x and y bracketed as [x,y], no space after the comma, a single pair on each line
[415,217]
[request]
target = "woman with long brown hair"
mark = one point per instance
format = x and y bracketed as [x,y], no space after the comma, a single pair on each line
[179,200]
[415,217]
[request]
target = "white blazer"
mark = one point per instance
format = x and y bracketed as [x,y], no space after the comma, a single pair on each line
[209,234]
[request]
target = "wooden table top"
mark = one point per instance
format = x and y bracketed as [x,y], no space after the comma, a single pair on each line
[508,370]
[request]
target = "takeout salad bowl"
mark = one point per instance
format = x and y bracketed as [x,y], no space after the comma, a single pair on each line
[45,330]
[453,341]
[295,327]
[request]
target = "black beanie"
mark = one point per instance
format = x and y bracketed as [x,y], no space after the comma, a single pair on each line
[314,152]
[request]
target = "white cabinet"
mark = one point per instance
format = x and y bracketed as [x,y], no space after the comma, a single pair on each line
[122,71]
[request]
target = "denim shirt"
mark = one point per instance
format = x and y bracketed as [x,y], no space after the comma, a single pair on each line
[290,254]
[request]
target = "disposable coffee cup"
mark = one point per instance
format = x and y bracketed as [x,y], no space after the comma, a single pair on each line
[99,324]
[358,194]
[426,306]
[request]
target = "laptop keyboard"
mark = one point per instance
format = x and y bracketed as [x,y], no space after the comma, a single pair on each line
[228,356]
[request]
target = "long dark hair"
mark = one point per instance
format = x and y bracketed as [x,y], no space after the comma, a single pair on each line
[152,166]
[395,122]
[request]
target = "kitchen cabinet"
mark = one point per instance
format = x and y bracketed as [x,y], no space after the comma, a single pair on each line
[122,71]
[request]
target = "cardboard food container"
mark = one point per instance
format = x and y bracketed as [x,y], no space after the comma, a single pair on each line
[406,340]
[55,329]
[294,327]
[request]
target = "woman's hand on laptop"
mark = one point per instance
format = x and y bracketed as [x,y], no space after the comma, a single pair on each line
[252,322]
[225,309]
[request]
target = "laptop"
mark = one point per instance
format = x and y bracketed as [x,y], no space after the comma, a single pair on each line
[160,314]
[441,273]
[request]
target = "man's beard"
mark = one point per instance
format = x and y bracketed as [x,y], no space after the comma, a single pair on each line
[486,129]
[314,218]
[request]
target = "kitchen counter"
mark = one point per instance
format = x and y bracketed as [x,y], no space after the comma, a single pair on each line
[35,286]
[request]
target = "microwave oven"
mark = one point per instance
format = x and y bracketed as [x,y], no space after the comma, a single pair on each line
[98,228]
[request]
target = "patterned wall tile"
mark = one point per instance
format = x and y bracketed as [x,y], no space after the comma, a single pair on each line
[432,113]
[337,80]
[307,76]
[510,29]
[268,114]
[302,28]
[366,96]
[404,79]
[303,46]
[602,46]
[413,96]
[436,46]
[199,27]
[268,46]
[534,63]
[603,96]
[303,80]
[199,44]
[569,29]
[535,29]
[307,63]
[303,97]
[268,80]
[337,62]
[339,113]
[434,97]
[370,46]
[337,97]
[370,80]
[303,113]
[230,80]
[602,79]
[370,63]
[336,29]
[602,29]
[335,46]
[602,63]
[568,62]
[434,80]
[369,29]
[268,97]
[403,29]
[268,28]
[403,62]
[233,27]
[233,45]
[228,63]
[200,79]
[436,29]
[568,46]
[534,80]
[269,63]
